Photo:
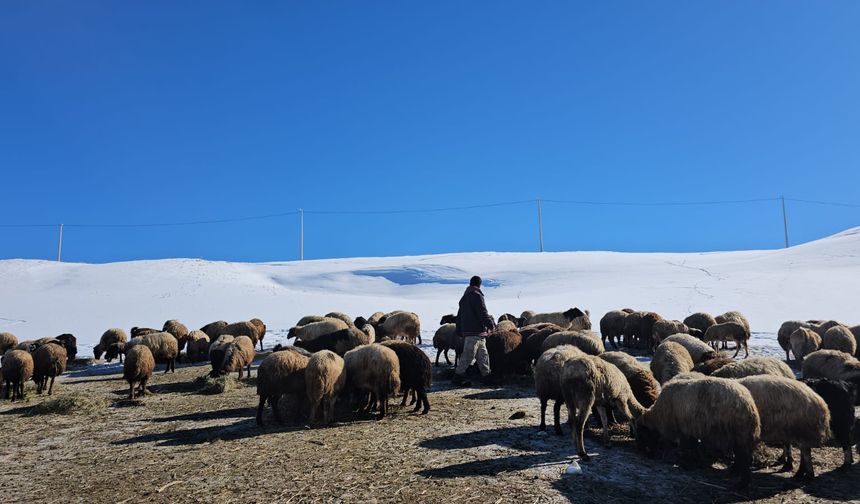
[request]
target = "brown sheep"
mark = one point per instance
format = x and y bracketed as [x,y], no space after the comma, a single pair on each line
[138,367]
[314,330]
[708,367]
[642,382]
[238,355]
[573,319]
[17,369]
[783,336]
[832,364]
[729,331]
[803,342]
[142,331]
[823,327]
[612,327]
[341,316]
[547,376]
[699,350]
[108,344]
[198,346]
[839,338]
[214,329]
[374,371]
[163,345]
[325,378]
[7,341]
[700,320]
[446,339]
[503,351]
[242,329]
[178,330]
[580,339]
[755,366]
[309,319]
[670,359]
[49,361]
[261,330]
[664,328]
[279,374]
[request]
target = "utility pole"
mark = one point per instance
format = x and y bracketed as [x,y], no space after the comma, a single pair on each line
[784,220]
[60,245]
[301,234]
[540,225]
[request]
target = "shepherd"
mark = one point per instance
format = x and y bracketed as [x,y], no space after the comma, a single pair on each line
[473,325]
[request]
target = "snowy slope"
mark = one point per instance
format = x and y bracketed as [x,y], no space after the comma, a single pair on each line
[814,280]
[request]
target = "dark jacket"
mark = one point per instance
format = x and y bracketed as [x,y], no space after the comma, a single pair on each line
[472,318]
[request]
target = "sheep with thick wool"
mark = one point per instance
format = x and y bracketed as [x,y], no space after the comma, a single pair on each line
[733,316]
[645,387]
[823,327]
[547,376]
[638,328]
[217,349]
[214,329]
[178,330]
[612,327]
[373,372]
[503,350]
[783,335]
[803,342]
[238,355]
[573,319]
[532,345]
[309,319]
[700,321]
[729,331]
[839,338]
[308,332]
[755,366]
[164,347]
[585,341]
[109,340]
[49,362]
[70,342]
[401,324]
[710,366]
[260,326]
[840,397]
[340,316]
[138,368]
[670,359]
[699,350]
[416,373]
[198,346]
[664,328]
[279,374]
[7,341]
[832,364]
[17,369]
[325,378]
[338,342]
[446,339]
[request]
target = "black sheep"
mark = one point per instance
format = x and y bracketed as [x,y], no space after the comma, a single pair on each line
[71,344]
[840,397]
[416,372]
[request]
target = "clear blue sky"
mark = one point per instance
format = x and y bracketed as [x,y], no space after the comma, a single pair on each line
[147,112]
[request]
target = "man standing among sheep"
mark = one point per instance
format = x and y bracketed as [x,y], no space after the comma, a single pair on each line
[473,324]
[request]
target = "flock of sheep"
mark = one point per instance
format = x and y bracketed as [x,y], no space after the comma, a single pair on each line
[691,396]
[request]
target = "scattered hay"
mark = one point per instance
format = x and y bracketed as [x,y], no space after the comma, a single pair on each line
[68,405]
[218,385]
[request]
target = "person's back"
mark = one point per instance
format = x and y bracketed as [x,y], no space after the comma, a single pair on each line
[473,324]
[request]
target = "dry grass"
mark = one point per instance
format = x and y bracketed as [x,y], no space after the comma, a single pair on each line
[68,405]
[218,385]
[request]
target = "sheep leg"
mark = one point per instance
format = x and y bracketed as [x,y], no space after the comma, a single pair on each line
[438,353]
[746,349]
[260,410]
[786,356]
[142,389]
[543,403]
[425,401]
[405,398]
[383,405]
[556,416]
[604,420]
[275,410]
[743,465]
[787,459]
[173,365]
[6,391]
[312,416]
[806,472]
[414,397]
[446,356]
[737,350]
[847,457]
[131,390]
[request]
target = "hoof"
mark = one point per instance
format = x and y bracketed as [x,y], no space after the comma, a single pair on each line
[584,457]
[786,468]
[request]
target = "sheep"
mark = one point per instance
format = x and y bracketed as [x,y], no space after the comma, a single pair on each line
[573,319]
[109,340]
[840,397]
[217,349]
[313,330]
[198,346]
[733,316]
[855,330]
[138,367]
[823,327]
[547,376]
[163,345]
[49,361]
[309,319]
[528,330]
[178,330]
[664,328]
[244,328]
[502,349]
[642,382]
[375,318]
[31,345]
[506,325]
[238,354]
[373,369]
[446,339]
[698,350]
[670,359]
[803,342]
[721,413]
[279,374]
[17,369]
[790,413]
[532,346]
[214,329]
[510,318]
[415,373]
[709,366]
[337,342]
[142,331]
[700,321]
[783,336]
[831,364]
[448,319]
[730,331]
[261,330]
[369,333]
[612,327]
[638,328]
[7,341]
[401,323]
[340,316]
[839,338]
[324,379]
[580,339]
[588,381]
[526,315]
[70,343]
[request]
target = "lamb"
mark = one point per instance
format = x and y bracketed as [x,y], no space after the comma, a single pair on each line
[790,413]
[840,397]
[340,316]
[214,329]
[138,367]
[753,366]
[324,379]
[803,342]
[17,369]
[7,341]
[49,361]
[502,349]
[279,374]
[178,330]
[309,319]
[832,364]
[574,319]
[238,354]
[612,327]
[448,319]
[373,369]
[446,339]
[720,413]
[839,338]
[163,345]
[589,381]
[109,341]
[708,367]
[700,321]
[783,336]
[313,330]
[401,323]
[670,359]
[198,346]
[261,330]
[582,340]
[415,373]
[642,382]
[698,350]
[547,376]
[664,328]
[70,343]
[730,331]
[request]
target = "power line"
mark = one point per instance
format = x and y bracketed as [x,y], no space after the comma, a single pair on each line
[660,203]
[829,203]
[415,211]
[160,224]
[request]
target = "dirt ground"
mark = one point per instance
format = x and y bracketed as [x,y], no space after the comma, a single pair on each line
[180,445]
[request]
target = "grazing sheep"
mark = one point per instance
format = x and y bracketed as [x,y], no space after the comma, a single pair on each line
[401,324]
[823,327]
[528,330]
[612,327]
[839,338]
[526,315]
[309,319]
[415,373]
[217,349]
[574,319]
[803,342]
[243,328]
[638,328]
[374,370]
[700,321]
[17,369]
[7,341]
[642,382]
[375,318]
[308,332]
[163,345]
[733,316]
[178,330]
[108,341]
[532,346]
[70,343]
[790,413]
[338,342]
[589,382]
[214,329]
[698,350]
[142,331]
[198,346]
[547,376]
[502,349]
[446,339]
[340,316]
[49,361]
[832,364]
[721,413]
[840,397]
[369,333]
[709,366]
[670,359]
[324,379]
[755,366]
[448,319]
[783,336]
[580,339]
[238,354]
[506,325]
[664,328]
[138,367]
[730,331]
[261,330]
[279,374]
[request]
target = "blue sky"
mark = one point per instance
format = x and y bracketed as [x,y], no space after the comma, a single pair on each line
[154,112]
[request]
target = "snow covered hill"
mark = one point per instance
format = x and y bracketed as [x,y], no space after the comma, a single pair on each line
[820,279]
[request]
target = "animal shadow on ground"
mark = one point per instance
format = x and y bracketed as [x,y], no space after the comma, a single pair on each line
[501,393]
[242,429]
[208,415]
